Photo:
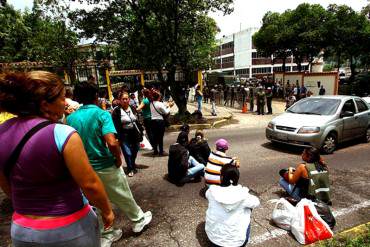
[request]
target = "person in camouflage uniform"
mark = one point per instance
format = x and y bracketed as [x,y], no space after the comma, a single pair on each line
[261,101]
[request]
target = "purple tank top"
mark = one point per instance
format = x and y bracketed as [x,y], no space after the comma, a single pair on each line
[40,181]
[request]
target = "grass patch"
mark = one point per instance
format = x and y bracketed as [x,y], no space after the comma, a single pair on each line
[360,239]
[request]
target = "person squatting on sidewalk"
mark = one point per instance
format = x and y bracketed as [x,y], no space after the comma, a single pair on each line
[49,171]
[229,210]
[198,147]
[216,160]
[98,135]
[309,180]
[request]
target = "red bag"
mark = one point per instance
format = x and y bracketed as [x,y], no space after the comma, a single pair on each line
[308,227]
[314,229]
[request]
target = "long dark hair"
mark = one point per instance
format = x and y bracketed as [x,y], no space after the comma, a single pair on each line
[314,157]
[229,175]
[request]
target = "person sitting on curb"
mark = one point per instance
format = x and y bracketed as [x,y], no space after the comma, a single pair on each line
[229,210]
[216,160]
[309,180]
[199,148]
[182,167]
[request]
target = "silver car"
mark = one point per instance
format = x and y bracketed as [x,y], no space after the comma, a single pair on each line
[322,122]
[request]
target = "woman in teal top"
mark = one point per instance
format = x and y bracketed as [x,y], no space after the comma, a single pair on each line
[144,107]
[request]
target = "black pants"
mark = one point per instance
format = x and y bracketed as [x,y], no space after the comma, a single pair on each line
[269,107]
[148,129]
[158,128]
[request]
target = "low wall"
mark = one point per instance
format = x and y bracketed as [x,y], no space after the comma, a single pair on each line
[312,81]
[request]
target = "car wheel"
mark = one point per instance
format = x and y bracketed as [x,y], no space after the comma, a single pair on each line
[330,143]
[367,135]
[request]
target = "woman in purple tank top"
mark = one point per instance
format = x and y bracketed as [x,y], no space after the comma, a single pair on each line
[52,168]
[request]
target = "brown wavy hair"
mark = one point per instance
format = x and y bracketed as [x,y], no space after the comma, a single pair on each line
[21,93]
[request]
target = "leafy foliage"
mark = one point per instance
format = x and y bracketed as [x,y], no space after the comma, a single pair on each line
[33,36]
[156,35]
[308,29]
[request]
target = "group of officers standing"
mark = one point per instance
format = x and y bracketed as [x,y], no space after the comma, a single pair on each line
[256,93]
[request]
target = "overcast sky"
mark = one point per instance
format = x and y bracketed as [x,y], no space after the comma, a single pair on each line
[247,13]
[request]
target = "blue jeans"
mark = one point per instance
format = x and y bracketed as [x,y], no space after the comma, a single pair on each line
[199,101]
[195,168]
[289,189]
[129,151]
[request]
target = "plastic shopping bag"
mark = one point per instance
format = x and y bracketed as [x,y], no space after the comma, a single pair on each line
[283,214]
[308,227]
[145,144]
[325,213]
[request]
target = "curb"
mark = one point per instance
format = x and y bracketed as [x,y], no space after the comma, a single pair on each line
[357,230]
[349,233]
[216,124]
[192,126]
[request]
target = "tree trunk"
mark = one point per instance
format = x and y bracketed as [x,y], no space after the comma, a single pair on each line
[338,61]
[176,92]
[284,64]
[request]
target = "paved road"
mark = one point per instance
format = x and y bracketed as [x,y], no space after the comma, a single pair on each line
[179,212]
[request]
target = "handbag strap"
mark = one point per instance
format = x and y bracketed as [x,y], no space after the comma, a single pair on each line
[15,154]
[133,122]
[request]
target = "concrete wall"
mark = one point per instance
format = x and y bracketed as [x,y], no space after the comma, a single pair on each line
[328,79]
[243,49]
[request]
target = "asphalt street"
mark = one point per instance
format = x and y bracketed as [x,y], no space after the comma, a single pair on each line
[179,212]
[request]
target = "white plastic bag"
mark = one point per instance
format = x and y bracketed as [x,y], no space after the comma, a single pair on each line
[283,214]
[145,144]
[308,227]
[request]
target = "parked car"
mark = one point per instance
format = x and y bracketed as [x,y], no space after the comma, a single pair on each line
[367,99]
[322,122]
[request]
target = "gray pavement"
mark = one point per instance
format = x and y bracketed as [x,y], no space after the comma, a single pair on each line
[179,212]
[238,119]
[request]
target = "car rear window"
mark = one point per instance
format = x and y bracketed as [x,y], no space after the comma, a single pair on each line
[315,106]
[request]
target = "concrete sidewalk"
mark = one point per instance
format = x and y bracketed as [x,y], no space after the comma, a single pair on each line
[228,117]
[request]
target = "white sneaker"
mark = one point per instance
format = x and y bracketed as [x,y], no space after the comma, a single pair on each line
[139,226]
[110,237]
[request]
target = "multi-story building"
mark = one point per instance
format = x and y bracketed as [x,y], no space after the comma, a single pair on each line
[237,56]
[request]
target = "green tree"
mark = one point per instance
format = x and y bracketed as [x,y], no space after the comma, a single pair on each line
[34,36]
[271,39]
[347,34]
[13,35]
[306,37]
[161,35]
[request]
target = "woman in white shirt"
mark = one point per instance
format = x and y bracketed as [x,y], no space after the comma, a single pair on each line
[229,210]
[158,110]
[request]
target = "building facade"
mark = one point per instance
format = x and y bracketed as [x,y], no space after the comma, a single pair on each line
[237,56]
